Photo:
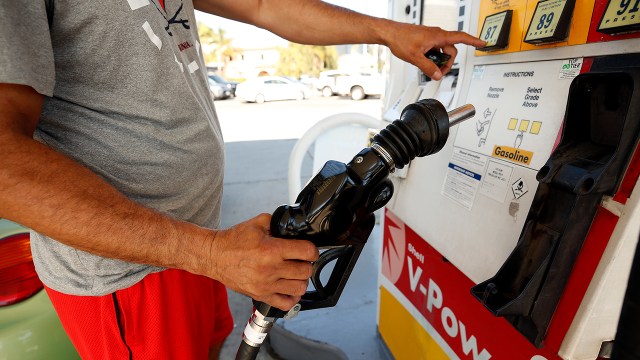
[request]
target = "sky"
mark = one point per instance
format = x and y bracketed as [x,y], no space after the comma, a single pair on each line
[247,36]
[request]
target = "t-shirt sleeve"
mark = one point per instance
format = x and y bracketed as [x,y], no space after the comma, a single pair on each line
[26,55]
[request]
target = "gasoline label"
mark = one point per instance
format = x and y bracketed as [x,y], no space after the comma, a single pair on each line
[512,154]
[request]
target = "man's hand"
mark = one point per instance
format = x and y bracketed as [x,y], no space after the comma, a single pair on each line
[410,42]
[248,260]
[319,23]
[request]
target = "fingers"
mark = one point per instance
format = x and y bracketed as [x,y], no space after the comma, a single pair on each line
[459,37]
[414,41]
[295,270]
[296,249]
[291,287]
[430,68]
[287,294]
[247,260]
[447,45]
[282,302]
[451,51]
[283,293]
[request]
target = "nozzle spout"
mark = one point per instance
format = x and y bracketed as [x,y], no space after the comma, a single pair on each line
[458,115]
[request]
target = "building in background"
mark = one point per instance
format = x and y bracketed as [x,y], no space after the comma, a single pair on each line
[252,62]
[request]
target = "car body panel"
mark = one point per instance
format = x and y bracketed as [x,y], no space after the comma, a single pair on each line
[30,329]
[271,88]
[371,83]
[218,91]
[328,81]
[229,86]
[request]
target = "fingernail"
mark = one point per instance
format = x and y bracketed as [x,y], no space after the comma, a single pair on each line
[437,74]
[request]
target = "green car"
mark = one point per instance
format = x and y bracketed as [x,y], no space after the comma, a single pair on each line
[29,326]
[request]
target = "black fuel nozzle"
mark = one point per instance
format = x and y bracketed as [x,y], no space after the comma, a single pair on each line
[423,129]
[335,209]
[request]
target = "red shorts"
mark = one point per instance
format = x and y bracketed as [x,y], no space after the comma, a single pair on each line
[171,314]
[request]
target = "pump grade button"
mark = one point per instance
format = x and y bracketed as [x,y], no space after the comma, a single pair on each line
[495,31]
[621,16]
[550,22]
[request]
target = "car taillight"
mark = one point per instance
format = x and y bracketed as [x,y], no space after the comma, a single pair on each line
[18,278]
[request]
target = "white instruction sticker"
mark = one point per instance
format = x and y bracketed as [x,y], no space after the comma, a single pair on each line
[496,181]
[464,176]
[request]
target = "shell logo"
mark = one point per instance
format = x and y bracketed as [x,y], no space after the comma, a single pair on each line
[393,248]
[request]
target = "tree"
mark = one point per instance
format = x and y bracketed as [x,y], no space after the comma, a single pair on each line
[217,44]
[296,60]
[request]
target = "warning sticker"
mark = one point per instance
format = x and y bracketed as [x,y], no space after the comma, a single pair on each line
[463,177]
[519,188]
[496,181]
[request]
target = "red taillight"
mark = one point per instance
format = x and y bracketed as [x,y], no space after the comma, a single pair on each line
[18,278]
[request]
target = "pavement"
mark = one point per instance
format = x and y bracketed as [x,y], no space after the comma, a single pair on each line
[255,182]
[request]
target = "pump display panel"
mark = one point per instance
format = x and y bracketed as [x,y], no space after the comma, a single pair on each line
[620,16]
[551,21]
[495,31]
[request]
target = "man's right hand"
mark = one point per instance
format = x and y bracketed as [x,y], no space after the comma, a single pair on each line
[248,260]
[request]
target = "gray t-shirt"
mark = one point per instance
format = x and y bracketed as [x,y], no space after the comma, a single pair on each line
[127,96]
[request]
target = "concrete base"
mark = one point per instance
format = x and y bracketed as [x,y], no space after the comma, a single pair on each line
[287,345]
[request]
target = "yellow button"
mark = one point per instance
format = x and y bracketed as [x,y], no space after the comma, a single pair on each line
[512,124]
[535,127]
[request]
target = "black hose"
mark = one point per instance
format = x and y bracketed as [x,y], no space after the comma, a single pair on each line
[247,352]
[627,343]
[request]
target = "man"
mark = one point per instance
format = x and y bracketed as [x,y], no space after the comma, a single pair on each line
[112,154]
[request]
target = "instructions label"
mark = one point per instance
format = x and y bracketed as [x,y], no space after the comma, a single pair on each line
[519,113]
[463,177]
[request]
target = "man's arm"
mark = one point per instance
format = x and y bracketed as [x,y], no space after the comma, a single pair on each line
[319,23]
[56,196]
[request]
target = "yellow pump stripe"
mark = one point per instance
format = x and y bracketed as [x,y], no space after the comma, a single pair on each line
[403,335]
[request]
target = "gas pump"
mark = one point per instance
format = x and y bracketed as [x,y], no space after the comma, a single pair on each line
[515,241]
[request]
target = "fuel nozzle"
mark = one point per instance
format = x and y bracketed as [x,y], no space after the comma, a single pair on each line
[423,129]
[335,209]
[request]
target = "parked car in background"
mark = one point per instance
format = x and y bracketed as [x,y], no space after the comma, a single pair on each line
[357,85]
[29,326]
[269,88]
[218,91]
[327,82]
[227,85]
[360,85]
